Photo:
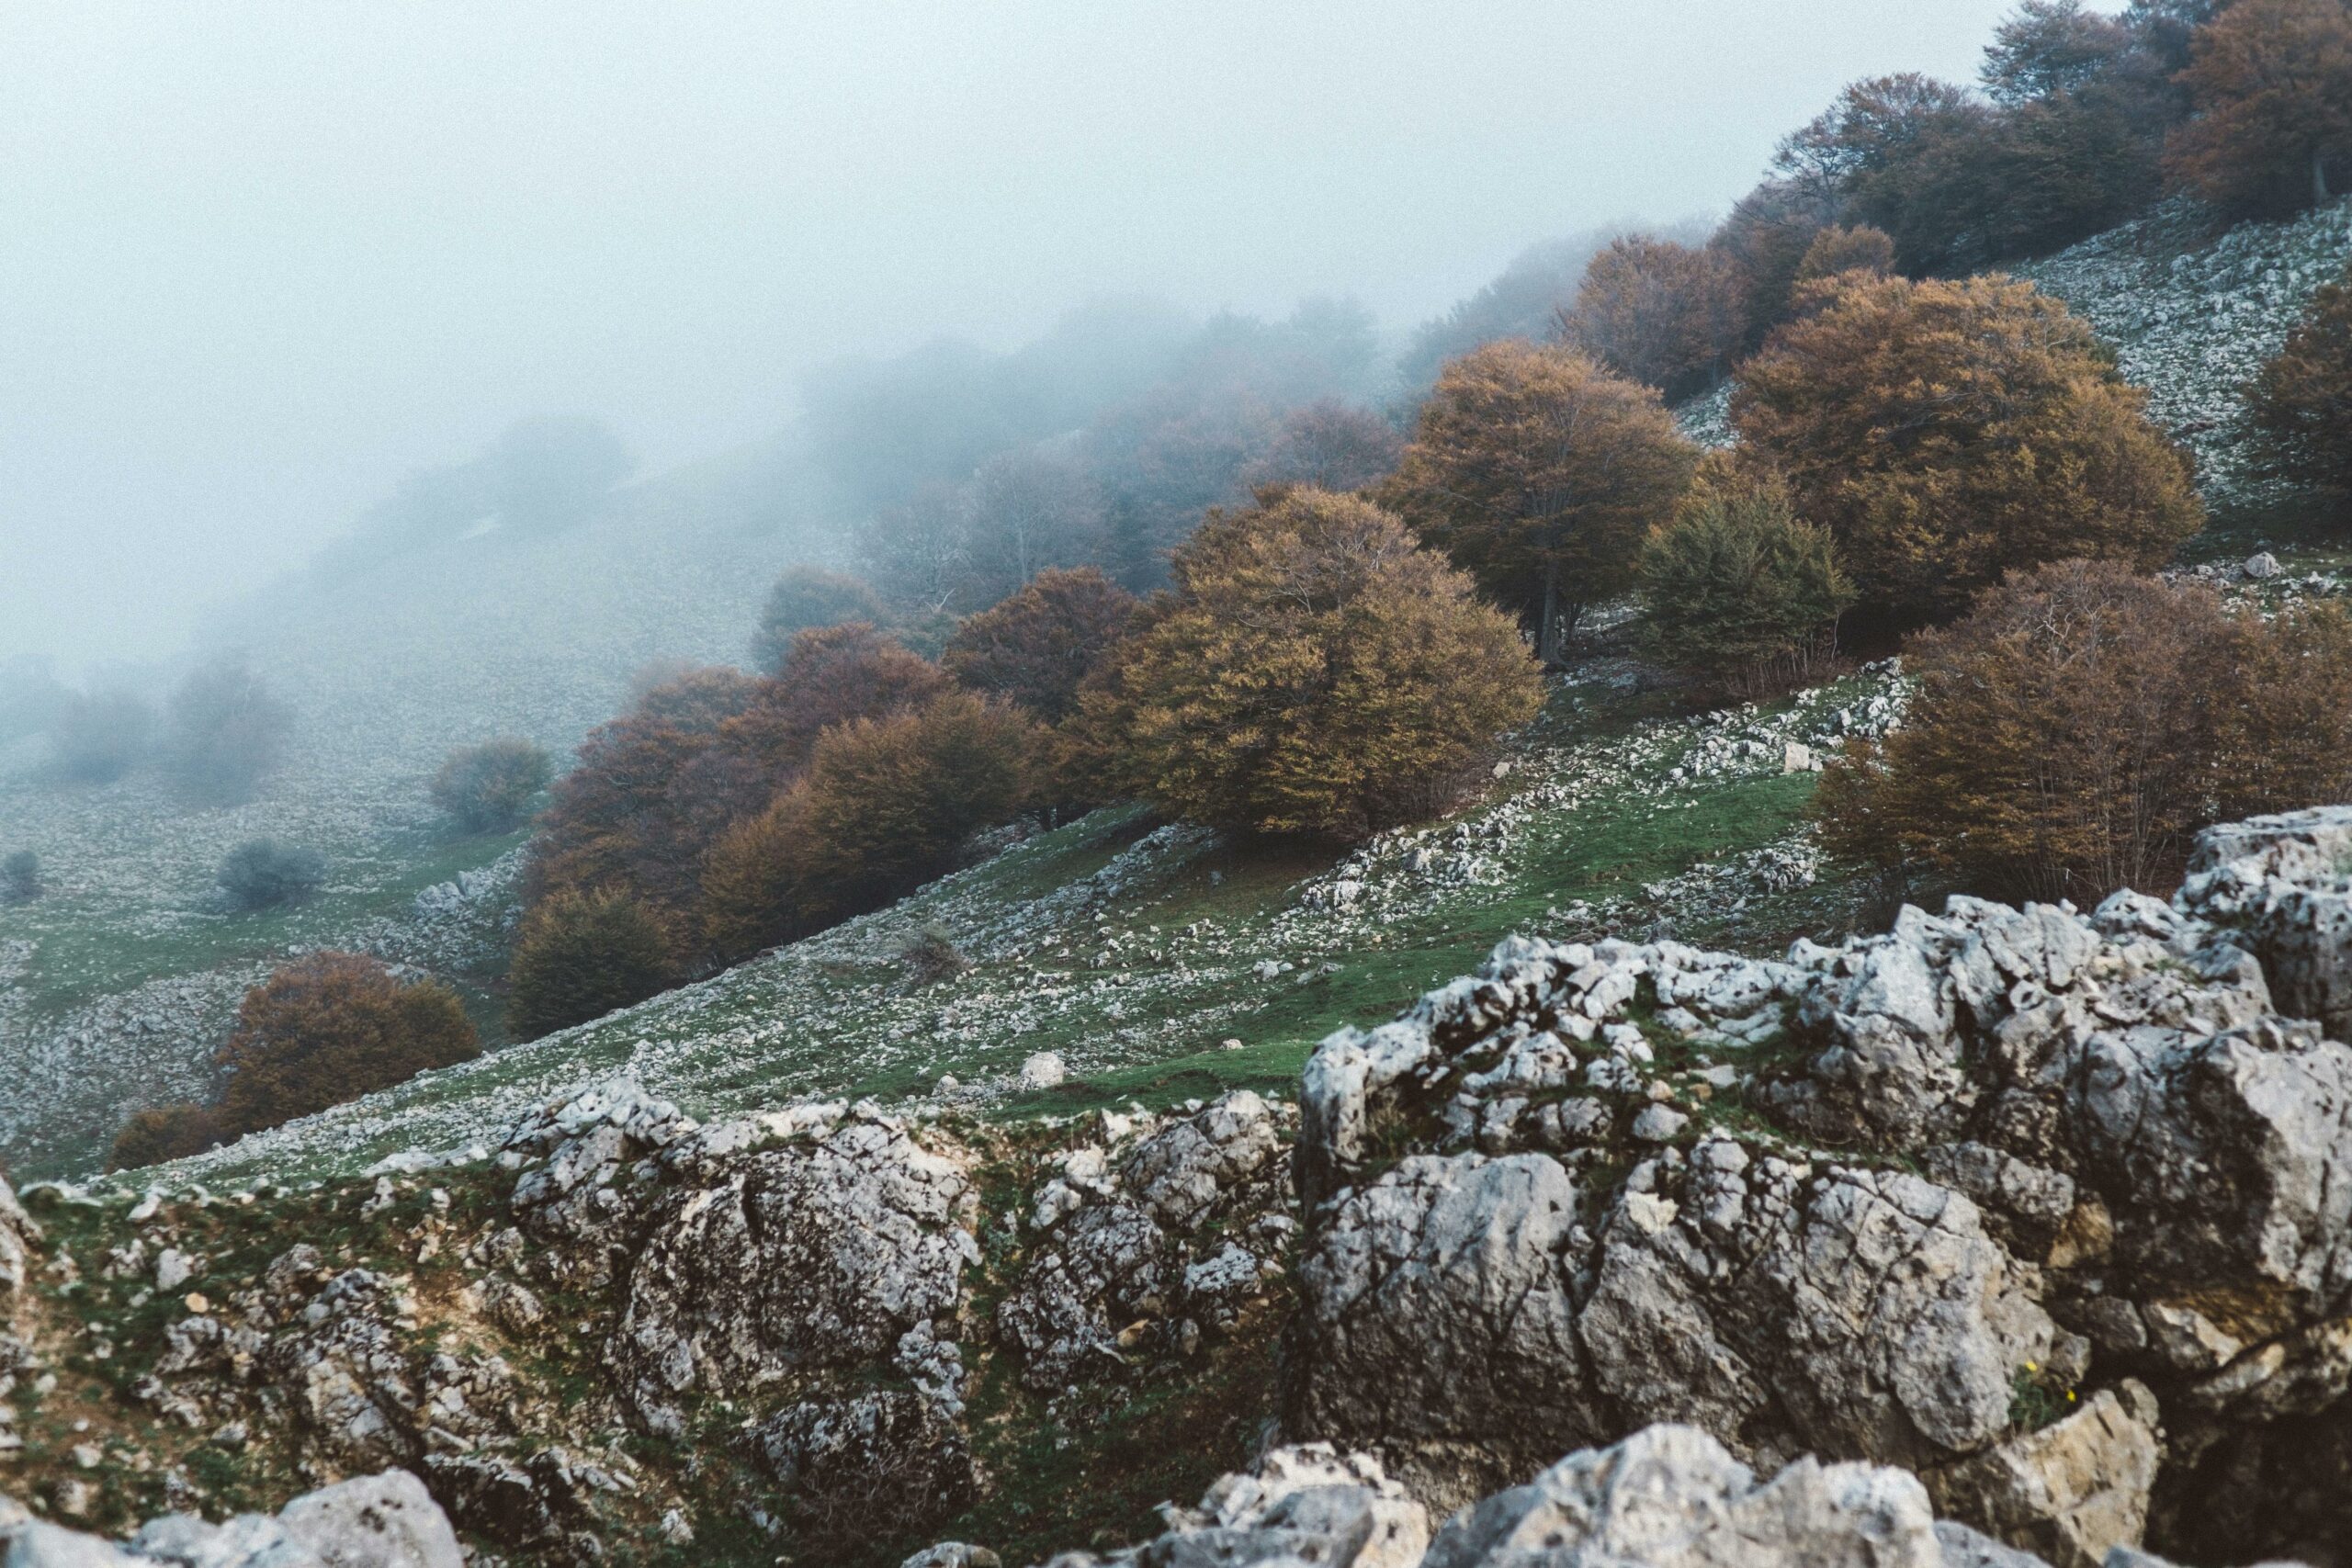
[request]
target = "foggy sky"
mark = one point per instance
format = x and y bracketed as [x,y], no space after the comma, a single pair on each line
[258,260]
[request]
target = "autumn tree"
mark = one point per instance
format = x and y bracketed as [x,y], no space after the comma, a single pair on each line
[1318,672]
[1330,444]
[1838,250]
[581,955]
[617,821]
[1035,647]
[1738,588]
[488,788]
[2073,733]
[1946,433]
[331,1027]
[1906,153]
[1668,315]
[1767,237]
[2302,402]
[884,806]
[2271,81]
[804,598]
[1539,472]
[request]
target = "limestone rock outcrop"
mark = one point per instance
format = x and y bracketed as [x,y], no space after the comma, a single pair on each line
[1905,1200]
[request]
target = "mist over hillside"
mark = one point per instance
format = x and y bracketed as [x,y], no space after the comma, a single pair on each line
[789,786]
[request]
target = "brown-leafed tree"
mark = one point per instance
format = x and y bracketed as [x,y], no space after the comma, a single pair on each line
[1035,647]
[883,808]
[1540,472]
[1668,315]
[1318,671]
[1948,432]
[2070,735]
[2302,402]
[331,1027]
[1838,250]
[616,820]
[2271,81]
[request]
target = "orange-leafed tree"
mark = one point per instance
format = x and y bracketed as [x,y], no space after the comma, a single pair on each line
[1539,471]
[1668,315]
[1946,433]
[2070,735]
[884,806]
[1318,672]
[2271,82]
[1035,647]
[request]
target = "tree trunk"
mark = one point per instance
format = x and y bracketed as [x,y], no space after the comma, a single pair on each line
[2319,177]
[1547,634]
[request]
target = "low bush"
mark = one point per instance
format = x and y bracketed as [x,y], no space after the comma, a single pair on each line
[20,877]
[262,873]
[166,1133]
[1738,589]
[579,956]
[98,737]
[2070,735]
[488,788]
[931,956]
[328,1028]
[225,732]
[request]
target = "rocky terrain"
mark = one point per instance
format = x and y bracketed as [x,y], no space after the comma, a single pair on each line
[2032,1222]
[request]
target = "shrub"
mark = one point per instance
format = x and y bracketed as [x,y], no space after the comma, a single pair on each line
[166,1133]
[581,955]
[2271,81]
[225,732]
[931,956]
[807,597]
[98,736]
[1945,432]
[1738,588]
[2070,735]
[1539,472]
[2301,404]
[1318,672]
[1035,647]
[331,1027]
[1668,315]
[20,877]
[488,788]
[262,873]
[884,807]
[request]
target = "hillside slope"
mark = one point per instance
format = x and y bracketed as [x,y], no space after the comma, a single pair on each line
[117,985]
